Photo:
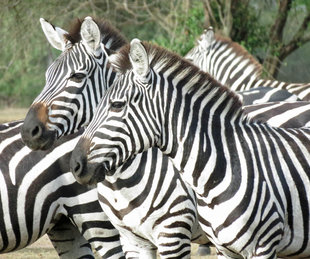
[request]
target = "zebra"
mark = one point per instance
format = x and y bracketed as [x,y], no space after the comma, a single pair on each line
[70,104]
[281,114]
[40,196]
[251,179]
[74,73]
[233,66]
[54,90]
[266,94]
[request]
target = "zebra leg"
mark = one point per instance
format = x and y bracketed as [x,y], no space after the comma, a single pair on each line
[175,245]
[147,253]
[68,241]
[204,250]
[130,251]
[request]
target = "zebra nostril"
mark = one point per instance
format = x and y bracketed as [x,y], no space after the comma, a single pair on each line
[36,132]
[77,168]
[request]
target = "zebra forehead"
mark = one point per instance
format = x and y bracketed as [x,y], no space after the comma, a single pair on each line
[106,29]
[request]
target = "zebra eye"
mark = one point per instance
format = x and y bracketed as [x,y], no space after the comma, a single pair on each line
[77,77]
[117,106]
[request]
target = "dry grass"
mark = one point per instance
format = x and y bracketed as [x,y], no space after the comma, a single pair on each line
[10,114]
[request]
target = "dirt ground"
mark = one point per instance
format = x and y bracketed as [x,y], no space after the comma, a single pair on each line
[43,247]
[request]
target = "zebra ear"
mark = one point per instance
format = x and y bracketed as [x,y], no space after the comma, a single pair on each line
[55,35]
[209,35]
[206,38]
[90,33]
[138,58]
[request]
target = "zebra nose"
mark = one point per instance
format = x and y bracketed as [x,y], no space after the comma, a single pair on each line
[77,166]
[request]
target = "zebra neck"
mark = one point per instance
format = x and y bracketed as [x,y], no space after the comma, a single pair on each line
[195,125]
[232,65]
[201,155]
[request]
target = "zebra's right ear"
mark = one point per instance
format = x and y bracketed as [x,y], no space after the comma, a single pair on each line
[90,34]
[138,58]
[54,35]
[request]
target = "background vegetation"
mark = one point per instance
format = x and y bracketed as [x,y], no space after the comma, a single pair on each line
[276,32]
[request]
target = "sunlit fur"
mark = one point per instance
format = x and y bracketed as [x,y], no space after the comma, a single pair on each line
[40,196]
[232,65]
[251,180]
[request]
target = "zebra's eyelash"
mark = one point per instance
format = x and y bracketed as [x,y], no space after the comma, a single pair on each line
[77,77]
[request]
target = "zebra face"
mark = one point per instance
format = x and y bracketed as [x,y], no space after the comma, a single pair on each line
[94,156]
[119,129]
[60,108]
[75,83]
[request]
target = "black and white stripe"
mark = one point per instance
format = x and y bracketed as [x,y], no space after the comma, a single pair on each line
[233,66]
[39,195]
[251,180]
[265,94]
[161,217]
[71,93]
[281,114]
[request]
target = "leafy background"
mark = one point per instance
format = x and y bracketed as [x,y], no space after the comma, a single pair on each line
[25,53]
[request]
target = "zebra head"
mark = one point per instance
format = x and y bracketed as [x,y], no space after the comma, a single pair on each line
[116,133]
[75,81]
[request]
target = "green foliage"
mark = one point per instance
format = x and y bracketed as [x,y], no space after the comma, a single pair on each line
[174,24]
[187,31]
[247,30]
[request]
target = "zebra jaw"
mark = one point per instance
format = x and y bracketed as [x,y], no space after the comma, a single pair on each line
[86,173]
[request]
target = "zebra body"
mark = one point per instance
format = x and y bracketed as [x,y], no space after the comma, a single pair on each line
[251,180]
[75,83]
[233,66]
[281,114]
[262,95]
[39,196]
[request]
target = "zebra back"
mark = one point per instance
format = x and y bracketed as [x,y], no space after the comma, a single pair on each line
[233,66]
[227,61]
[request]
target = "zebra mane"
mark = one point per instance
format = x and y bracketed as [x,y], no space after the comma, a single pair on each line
[240,52]
[161,59]
[107,30]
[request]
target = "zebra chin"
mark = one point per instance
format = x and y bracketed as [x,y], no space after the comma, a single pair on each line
[86,173]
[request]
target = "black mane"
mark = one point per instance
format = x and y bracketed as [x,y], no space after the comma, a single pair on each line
[106,29]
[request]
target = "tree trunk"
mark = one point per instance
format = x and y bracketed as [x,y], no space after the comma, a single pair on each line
[273,58]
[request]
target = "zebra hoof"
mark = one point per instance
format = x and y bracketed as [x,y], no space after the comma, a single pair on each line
[203,250]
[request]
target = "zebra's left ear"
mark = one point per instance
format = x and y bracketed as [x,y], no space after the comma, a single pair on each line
[90,34]
[206,38]
[138,58]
